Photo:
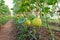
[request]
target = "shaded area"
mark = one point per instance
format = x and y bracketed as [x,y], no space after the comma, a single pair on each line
[43,34]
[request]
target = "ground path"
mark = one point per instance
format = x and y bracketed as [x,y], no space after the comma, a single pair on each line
[8,30]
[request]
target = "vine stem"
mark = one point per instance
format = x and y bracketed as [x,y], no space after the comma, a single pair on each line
[35,32]
[52,35]
[36,8]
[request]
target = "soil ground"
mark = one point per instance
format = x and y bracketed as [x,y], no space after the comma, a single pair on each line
[45,34]
[8,30]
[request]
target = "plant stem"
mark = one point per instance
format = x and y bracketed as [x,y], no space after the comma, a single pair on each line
[36,8]
[35,32]
[52,35]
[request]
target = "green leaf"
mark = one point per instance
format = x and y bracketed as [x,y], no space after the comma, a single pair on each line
[45,10]
[41,1]
[31,17]
[21,20]
[51,2]
[4,8]
[32,1]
